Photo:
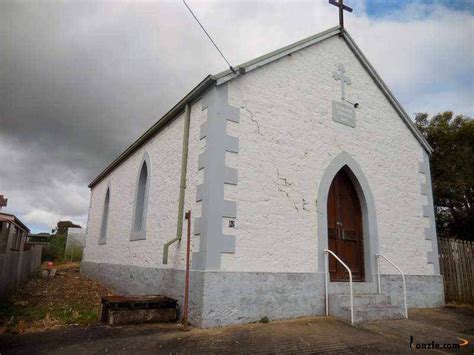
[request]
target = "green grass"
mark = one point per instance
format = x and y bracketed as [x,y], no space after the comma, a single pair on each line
[11,315]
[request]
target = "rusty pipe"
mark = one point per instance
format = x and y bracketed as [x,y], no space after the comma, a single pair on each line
[186,284]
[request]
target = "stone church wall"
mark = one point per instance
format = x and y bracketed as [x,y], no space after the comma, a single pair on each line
[135,267]
[164,151]
[288,139]
[278,142]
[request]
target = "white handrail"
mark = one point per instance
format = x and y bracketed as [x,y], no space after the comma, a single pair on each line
[379,287]
[326,278]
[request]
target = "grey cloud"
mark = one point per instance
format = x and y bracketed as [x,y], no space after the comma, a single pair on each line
[81,80]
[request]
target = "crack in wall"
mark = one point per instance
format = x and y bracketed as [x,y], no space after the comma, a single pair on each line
[296,207]
[285,180]
[287,194]
[249,112]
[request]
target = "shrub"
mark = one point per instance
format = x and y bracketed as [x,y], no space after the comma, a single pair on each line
[54,251]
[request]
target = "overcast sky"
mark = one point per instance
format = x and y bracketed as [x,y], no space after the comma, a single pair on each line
[81,80]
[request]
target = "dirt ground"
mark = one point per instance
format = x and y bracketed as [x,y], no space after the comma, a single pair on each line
[60,316]
[300,336]
[46,303]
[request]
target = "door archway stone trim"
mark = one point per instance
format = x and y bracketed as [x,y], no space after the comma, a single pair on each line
[369,219]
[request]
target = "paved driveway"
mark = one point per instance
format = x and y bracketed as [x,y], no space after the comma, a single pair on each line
[305,335]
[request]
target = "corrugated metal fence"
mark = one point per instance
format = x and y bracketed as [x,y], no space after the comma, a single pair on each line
[456,258]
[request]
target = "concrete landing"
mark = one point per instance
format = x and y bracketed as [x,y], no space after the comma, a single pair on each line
[367,307]
[317,335]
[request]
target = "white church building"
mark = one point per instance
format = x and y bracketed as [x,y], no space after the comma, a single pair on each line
[299,151]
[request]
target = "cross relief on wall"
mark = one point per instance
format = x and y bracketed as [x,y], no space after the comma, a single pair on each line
[342,111]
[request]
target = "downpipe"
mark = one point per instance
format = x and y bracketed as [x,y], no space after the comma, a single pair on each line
[182,185]
[186,284]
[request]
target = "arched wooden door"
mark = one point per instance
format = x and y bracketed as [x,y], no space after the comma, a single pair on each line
[345,229]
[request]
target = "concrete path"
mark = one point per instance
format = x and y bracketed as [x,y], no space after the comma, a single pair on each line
[300,336]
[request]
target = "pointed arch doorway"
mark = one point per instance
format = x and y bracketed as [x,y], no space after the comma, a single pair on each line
[351,168]
[345,228]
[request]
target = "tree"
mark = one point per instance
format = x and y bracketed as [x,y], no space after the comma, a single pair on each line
[63,226]
[57,241]
[452,170]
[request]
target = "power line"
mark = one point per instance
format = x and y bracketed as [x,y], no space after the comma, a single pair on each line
[207,34]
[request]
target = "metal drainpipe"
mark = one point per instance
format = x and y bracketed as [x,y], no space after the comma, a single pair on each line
[186,283]
[182,186]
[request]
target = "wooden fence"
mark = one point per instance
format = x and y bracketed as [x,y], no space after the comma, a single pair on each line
[456,259]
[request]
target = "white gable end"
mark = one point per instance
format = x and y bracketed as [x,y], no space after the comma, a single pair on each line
[287,140]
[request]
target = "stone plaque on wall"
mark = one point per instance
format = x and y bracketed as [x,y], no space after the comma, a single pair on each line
[343,113]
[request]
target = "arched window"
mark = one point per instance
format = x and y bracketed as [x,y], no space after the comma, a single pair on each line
[105,218]
[139,217]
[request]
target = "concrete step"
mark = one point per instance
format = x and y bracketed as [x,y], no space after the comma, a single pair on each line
[370,313]
[367,307]
[358,287]
[360,300]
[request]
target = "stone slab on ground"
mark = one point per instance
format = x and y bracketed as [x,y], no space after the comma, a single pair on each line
[137,316]
[121,310]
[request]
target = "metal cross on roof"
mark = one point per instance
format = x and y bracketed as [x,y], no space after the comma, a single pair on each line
[342,7]
[340,75]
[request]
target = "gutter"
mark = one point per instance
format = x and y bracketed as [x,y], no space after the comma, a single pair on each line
[182,185]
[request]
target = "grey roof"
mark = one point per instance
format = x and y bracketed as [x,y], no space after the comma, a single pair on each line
[256,63]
